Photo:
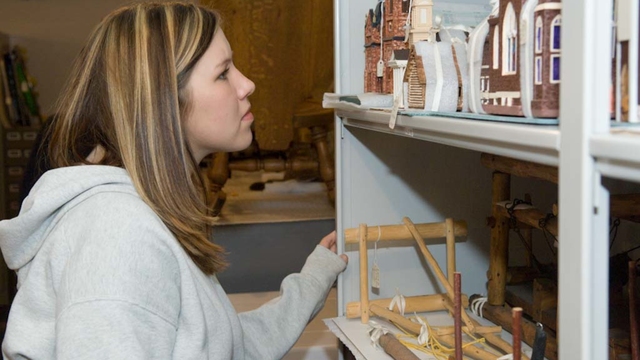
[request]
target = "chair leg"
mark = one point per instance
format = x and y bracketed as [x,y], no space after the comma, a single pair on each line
[327,170]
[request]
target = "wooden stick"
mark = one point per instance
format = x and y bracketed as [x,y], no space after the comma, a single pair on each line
[499,249]
[435,267]
[502,315]
[492,338]
[396,318]
[422,303]
[457,318]
[527,235]
[364,275]
[472,351]
[400,232]
[414,328]
[395,349]
[451,249]
[517,330]
[633,329]
[520,168]
[480,330]
[530,217]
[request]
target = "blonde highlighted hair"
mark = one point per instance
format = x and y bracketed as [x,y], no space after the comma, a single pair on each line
[127,93]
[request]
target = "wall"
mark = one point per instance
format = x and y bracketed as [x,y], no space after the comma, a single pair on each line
[53,33]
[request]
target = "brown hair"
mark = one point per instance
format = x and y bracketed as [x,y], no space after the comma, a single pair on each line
[127,93]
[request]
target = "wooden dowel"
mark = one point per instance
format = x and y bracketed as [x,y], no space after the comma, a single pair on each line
[517,330]
[633,318]
[480,330]
[403,322]
[400,232]
[530,217]
[502,315]
[434,266]
[364,275]
[472,351]
[499,248]
[451,249]
[457,318]
[520,168]
[395,349]
[498,342]
[527,235]
[413,304]
[490,336]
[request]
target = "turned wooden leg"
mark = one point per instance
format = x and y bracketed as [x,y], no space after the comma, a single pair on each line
[327,170]
[217,174]
[499,252]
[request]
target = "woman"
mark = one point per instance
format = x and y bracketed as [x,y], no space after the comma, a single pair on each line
[112,249]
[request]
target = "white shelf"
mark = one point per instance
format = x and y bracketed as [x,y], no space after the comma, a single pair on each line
[539,144]
[616,154]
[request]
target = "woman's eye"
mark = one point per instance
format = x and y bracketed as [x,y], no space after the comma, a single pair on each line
[224,74]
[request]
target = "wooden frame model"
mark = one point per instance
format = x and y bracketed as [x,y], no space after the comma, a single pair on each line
[453,301]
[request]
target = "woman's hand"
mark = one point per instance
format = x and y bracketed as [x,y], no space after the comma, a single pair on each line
[329,242]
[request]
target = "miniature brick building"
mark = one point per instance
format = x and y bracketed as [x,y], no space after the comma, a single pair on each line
[500,69]
[546,61]
[521,77]
[372,83]
[393,35]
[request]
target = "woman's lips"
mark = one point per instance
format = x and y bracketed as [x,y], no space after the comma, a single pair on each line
[248,116]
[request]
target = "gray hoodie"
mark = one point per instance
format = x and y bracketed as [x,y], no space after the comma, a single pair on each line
[101,277]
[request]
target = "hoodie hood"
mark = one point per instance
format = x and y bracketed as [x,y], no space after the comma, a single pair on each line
[22,236]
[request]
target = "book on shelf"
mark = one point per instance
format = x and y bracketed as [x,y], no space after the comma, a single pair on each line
[18,100]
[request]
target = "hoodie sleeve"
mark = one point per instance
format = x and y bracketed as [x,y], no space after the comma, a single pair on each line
[302,295]
[119,294]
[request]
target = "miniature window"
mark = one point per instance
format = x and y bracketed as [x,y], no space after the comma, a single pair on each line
[405,6]
[555,33]
[391,26]
[496,47]
[509,42]
[538,35]
[555,69]
[482,84]
[538,70]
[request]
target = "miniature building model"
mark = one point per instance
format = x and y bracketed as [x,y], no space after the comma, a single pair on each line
[372,41]
[436,77]
[421,22]
[384,33]
[519,77]
[546,61]
[514,59]
[625,64]
[501,56]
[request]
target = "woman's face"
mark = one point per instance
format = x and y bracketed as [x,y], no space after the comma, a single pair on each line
[220,117]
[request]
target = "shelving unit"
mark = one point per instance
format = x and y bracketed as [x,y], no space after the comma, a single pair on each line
[382,176]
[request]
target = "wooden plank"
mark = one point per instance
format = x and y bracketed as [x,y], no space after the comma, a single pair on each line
[520,168]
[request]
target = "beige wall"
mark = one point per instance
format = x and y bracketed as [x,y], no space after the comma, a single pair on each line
[53,32]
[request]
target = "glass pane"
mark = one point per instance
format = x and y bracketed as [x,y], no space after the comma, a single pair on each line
[556,37]
[556,68]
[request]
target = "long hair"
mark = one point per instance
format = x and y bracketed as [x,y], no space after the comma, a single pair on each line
[127,93]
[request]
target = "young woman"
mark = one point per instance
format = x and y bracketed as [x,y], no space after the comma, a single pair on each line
[113,249]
